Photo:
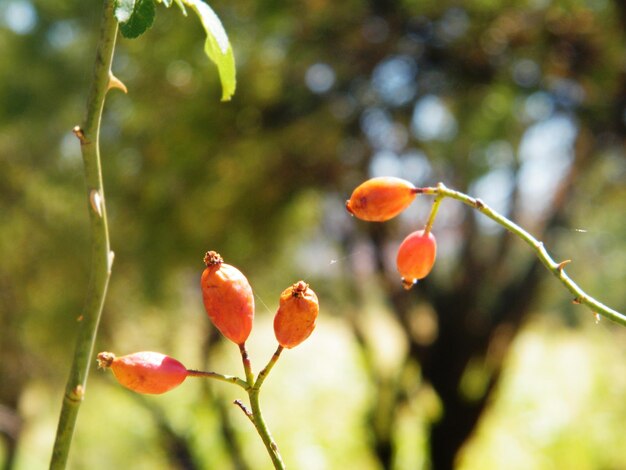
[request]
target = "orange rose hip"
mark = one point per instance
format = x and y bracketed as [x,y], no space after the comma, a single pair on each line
[145,372]
[380,199]
[228,298]
[296,316]
[416,257]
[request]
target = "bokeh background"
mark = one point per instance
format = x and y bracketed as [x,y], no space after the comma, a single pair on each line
[486,364]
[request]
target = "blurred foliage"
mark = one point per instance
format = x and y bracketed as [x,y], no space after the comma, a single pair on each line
[519,103]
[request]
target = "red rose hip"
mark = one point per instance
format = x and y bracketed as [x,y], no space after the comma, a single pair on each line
[296,316]
[145,372]
[380,199]
[228,298]
[416,257]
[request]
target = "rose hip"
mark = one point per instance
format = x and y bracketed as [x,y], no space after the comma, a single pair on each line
[297,312]
[228,298]
[380,199]
[416,257]
[145,372]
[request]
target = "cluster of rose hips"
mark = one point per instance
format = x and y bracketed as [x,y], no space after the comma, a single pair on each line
[229,303]
[381,199]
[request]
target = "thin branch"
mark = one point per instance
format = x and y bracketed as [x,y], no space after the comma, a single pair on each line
[265,372]
[214,375]
[556,268]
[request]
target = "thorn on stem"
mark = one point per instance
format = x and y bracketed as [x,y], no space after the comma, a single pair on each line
[110,260]
[577,301]
[562,264]
[78,393]
[96,201]
[78,132]
[115,82]
[596,316]
[479,204]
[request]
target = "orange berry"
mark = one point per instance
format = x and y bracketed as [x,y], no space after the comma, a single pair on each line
[145,372]
[228,298]
[297,312]
[380,199]
[416,257]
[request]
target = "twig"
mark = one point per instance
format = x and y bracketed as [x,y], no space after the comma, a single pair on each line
[214,375]
[556,268]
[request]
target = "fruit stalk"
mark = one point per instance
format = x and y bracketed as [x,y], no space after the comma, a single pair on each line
[265,372]
[556,268]
[101,255]
[433,212]
[221,377]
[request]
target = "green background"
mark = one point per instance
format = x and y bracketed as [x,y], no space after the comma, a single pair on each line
[522,103]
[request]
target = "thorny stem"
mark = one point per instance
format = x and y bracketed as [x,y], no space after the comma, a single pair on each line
[101,255]
[441,191]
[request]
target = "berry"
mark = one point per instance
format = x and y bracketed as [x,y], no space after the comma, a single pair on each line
[297,312]
[416,257]
[380,199]
[228,298]
[145,372]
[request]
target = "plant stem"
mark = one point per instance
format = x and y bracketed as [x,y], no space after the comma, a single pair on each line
[101,255]
[256,416]
[555,268]
[265,372]
[247,365]
[261,427]
[433,212]
[214,375]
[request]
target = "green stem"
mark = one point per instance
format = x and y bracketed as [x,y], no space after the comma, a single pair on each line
[265,372]
[101,255]
[433,212]
[255,415]
[261,427]
[555,268]
[214,375]
[247,365]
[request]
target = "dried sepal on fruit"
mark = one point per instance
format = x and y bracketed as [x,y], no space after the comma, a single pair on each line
[145,372]
[296,316]
[381,198]
[228,298]
[416,257]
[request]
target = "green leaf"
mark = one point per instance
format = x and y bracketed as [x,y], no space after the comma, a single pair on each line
[123,10]
[217,47]
[134,16]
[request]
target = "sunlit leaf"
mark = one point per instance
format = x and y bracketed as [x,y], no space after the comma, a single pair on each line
[217,46]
